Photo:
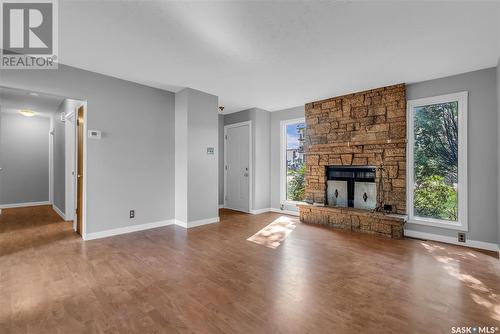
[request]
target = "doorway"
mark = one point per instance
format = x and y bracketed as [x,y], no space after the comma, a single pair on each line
[31,150]
[79,170]
[38,156]
[238,166]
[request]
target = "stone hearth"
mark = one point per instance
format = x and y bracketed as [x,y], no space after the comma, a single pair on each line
[356,220]
[361,129]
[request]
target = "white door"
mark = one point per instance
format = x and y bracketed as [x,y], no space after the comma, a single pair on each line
[238,167]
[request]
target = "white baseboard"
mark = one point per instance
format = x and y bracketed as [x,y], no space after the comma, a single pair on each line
[259,211]
[59,212]
[450,240]
[286,212]
[127,229]
[221,206]
[196,223]
[23,205]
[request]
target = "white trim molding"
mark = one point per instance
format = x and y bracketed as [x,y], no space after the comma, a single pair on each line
[51,159]
[196,223]
[450,240]
[221,206]
[461,224]
[127,229]
[283,167]
[24,205]
[286,212]
[259,211]
[59,212]
[147,226]
[85,169]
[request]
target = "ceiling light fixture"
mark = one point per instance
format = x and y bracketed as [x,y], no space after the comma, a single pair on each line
[33,94]
[27,112]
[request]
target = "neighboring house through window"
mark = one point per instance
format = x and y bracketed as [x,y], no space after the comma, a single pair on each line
[292,161]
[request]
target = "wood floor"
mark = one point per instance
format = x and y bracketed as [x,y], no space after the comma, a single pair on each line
[211,280]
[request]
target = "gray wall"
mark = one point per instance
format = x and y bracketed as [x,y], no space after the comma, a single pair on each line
[58,163]
[276,118]
[132,166]
[181,156]
[482,149]
[196,172]
[203,169]
[24,153]
[498,127]
[1,160]
[260,153]
[267,134]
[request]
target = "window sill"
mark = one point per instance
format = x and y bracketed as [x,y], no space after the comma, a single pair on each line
[438,223]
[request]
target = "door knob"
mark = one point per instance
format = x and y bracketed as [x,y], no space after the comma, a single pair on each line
[78,176]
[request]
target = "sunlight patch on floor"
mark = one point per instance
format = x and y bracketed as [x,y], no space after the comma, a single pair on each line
[480,293]
[273,234]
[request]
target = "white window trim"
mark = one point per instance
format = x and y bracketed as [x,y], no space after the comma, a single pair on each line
[462,223]
[283,125]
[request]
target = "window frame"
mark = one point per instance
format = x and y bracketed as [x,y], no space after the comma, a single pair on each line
[283,166]
[462,222]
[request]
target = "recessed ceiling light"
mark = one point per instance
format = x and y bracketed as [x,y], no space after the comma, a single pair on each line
[33,94]
[27,112]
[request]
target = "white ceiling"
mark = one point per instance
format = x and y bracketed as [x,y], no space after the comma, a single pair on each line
[276,55]
[12,100]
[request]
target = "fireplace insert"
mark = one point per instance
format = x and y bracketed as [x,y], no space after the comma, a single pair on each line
[351,186]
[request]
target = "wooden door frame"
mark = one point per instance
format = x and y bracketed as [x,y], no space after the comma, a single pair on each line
[250,162]
[84,182]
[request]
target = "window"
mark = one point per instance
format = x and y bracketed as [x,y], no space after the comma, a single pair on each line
[292,160]
[437,161]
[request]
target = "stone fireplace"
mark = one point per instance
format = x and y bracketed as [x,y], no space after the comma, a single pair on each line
[351,186]
[356,162]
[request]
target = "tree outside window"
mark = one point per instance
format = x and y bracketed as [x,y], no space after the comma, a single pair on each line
[435,155]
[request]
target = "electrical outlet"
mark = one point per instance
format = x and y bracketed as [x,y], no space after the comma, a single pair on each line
[132,214]
[461,237]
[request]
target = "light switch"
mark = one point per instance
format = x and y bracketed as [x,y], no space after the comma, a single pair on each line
[94,134]
[210,150]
